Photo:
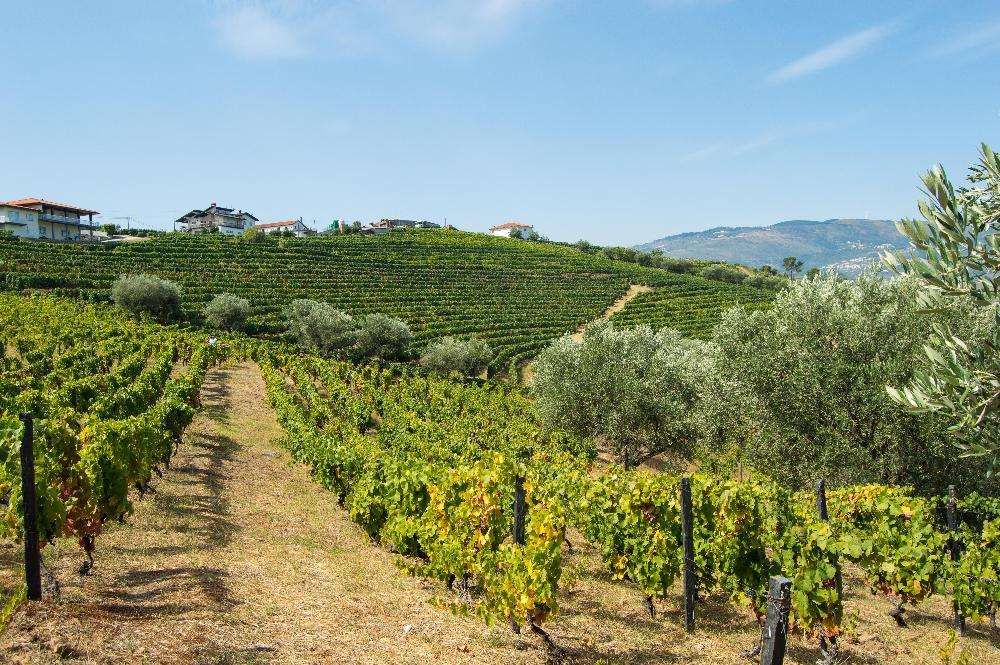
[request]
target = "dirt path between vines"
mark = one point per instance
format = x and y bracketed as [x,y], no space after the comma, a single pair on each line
[240,557]
[614,308]
[528,371]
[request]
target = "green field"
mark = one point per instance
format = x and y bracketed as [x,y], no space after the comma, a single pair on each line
[693,310]
[515,295]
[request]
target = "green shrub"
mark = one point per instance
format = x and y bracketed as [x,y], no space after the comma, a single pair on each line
[318,326]
[450,354]
[800,388]
[383,337]
[723,273]
[766,281]
[227,312]
[147,294]
[635,390]
[255,236]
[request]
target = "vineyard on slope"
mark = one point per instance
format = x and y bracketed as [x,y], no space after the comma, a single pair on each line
[516,296]
[109,399]
[693,311]
[427,467]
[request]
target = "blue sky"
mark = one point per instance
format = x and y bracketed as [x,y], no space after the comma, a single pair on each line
[618,121]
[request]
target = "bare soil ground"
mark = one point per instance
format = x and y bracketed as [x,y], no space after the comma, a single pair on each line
[239,557]
[615,307]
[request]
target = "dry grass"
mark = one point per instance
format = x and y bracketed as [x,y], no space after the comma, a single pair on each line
[239,557]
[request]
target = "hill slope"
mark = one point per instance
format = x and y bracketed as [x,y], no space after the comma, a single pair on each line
[515,295]
[843,244]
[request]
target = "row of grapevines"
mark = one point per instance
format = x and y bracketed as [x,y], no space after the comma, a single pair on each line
[427,468]
[433,480]
[109,399]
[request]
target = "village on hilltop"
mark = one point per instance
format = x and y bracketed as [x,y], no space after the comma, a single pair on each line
[42,219]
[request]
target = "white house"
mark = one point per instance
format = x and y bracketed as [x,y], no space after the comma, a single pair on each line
[20,221]
[507,228]
[216,218]
[40,218]
[293,225]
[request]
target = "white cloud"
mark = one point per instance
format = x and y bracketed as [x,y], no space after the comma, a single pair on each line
[277,29]
[833,54]
[704,153]
[254,33]
[985,38]
[454,24]
[772,137]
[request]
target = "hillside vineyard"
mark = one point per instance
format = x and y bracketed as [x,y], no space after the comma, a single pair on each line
[516,296]
[693,310]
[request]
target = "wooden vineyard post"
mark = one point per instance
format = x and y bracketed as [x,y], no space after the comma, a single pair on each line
[687,529]
[32,557]
[775,632]
[520,508]
[829,649]
[954,548]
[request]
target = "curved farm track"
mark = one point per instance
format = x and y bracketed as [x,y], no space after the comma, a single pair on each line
[239,557]
[528,371]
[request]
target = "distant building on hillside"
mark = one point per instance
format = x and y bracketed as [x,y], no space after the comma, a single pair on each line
[506,229]
[217,218]
[295,226]
[387,225]
[40,218]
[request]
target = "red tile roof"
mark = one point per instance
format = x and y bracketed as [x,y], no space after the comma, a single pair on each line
[62,206]
[510,225]
[14,205]
[274,225]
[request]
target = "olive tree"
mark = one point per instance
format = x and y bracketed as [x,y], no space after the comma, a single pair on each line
[450,354]
[956,256]
[383,337]
[147,294]
[800,387]
[227,312]
[321,327]
[723,273]
[635,390]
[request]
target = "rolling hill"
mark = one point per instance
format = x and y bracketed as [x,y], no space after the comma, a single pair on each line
[515,295]
[847,245]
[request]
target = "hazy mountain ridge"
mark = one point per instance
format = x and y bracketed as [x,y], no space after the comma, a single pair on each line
[848,245]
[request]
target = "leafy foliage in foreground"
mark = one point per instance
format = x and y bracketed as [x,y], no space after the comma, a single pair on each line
[108,409]
[958,257]
[427,468]
[798,390]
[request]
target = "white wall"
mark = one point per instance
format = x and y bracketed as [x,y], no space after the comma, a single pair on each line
[505,233]
[27,217]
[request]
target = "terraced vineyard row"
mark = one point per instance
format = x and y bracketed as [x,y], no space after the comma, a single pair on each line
[109,399]
[694,311]
[516,296]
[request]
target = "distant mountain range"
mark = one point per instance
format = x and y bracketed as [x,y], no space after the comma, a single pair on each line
[846,245]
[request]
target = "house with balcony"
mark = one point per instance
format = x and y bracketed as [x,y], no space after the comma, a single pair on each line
[40,218]
[19,221]
[216,219]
